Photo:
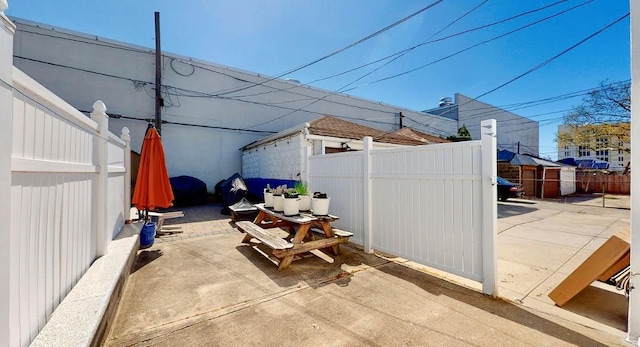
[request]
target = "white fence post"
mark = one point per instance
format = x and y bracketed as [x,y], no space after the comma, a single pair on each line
[489,207]
[8,283]
[633,322]
[126,137]
[99,115]
[367,143]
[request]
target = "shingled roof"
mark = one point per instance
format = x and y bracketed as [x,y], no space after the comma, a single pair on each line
[334,127]
[420,136]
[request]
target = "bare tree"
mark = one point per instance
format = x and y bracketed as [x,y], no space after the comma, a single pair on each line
[602,121]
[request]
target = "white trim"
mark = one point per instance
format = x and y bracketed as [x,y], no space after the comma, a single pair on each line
[35,165]
[117,169]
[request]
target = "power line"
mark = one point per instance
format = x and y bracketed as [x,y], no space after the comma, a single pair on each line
[178,91]
[427,41]
[546,61]
[150,120]
[339,50]
[554,57]
[374,70]
[470,47]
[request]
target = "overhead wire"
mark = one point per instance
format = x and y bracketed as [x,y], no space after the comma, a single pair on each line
[470,47]
[547,61]
[351,45]
[374,70]
[428,41]
[172,59]
[555,56]
[143,84]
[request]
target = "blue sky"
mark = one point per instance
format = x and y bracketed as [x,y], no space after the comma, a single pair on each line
[273,37]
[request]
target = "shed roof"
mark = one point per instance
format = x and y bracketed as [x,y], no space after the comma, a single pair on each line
[335,127]
[420,136]
[338,128]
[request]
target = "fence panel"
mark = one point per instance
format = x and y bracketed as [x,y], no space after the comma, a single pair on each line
[54,170]
[341,177]
[425,203]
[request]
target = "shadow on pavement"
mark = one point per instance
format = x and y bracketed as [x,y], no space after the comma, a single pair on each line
[498,307]
[308,268]
[145,257]
[509,210]
[602,306]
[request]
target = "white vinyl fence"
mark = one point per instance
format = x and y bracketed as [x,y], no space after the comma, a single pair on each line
[69,197]
[433,204]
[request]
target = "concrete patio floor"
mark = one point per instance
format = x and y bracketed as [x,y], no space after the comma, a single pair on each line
[204,288]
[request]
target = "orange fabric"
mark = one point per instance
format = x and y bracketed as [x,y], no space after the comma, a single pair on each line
[153,189]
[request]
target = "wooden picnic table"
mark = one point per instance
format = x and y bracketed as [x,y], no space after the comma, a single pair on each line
[301,237]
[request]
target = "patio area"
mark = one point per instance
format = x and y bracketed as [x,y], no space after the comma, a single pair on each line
[203,287]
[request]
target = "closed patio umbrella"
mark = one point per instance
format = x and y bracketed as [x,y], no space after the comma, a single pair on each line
[152,189]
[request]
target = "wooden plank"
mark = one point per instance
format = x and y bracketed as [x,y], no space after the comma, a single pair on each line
[617,267]
[593,267]
[308,246]
[341,233]
[263,235]
[336,232]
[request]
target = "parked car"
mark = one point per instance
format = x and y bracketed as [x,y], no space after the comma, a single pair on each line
[508,189]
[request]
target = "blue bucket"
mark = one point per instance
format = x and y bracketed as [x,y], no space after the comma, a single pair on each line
[147,235]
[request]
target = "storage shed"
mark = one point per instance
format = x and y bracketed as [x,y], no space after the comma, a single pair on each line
[540,178]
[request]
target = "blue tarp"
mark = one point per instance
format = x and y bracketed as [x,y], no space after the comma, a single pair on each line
[586,163]
[505,155]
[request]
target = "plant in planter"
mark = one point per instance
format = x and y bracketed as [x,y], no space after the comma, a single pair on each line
[320,204]
[291,202]
[303,192]
[278,198]
[268,196]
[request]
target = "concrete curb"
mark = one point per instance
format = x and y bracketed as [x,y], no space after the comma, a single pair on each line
[83,317]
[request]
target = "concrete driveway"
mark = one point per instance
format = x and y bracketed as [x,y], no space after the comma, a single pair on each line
[205,288]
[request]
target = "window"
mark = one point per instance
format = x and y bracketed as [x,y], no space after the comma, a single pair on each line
[602,142]
[583,151]
[621,159]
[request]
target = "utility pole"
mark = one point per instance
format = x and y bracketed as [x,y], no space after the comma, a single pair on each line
[518,147]
[400,117]
[159,102]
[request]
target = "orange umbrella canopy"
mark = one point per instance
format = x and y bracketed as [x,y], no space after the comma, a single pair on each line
[153,189]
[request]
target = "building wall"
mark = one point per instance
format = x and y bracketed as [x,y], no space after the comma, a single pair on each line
[206,124]
[280,159]
[509,172]
[512,128]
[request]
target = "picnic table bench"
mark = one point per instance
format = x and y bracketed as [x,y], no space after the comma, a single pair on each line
[301,231]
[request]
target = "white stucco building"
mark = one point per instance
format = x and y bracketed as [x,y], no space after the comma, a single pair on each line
[204,121]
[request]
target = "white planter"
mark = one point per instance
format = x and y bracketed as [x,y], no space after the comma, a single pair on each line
[291,206]
[278,203]
[320,207]
[268,199]
[305,202]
